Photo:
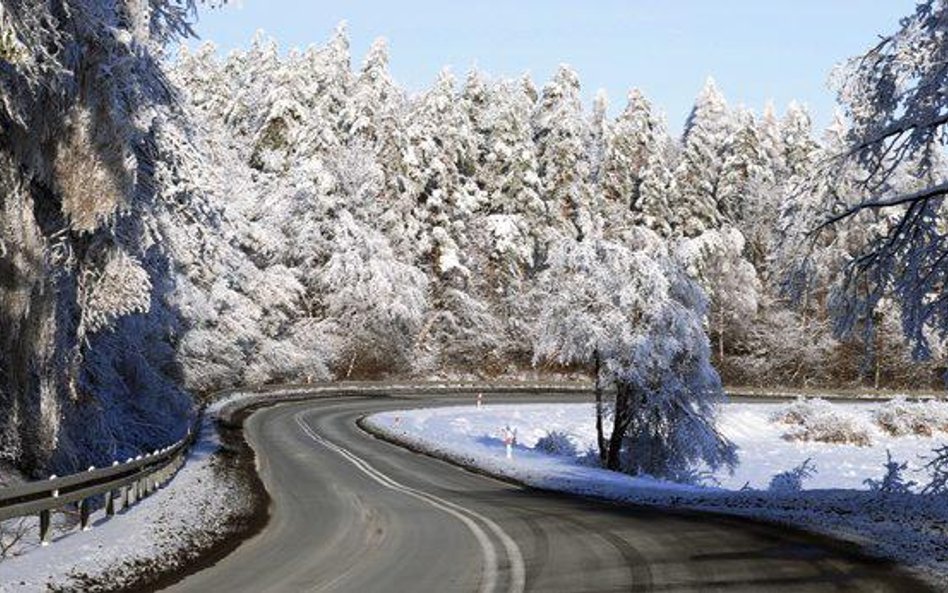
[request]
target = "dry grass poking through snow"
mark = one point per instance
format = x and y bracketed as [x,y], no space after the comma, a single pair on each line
[903,418]
[900,417]
[820,421]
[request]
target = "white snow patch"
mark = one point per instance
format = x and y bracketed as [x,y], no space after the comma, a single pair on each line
[763,450]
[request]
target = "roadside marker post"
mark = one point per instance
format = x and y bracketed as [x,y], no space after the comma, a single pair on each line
[508,441]
[480,400]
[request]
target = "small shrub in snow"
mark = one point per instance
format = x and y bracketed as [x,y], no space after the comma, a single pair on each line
[556,443]
[892,482]
[792,480]
[694,477]
[799,411]
[938,469]
[820,421]
[590,458]
[901,418]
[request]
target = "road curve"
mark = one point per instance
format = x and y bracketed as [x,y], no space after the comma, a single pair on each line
[353,513]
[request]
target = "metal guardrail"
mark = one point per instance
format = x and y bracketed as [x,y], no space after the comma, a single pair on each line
[231,413]
[118,486]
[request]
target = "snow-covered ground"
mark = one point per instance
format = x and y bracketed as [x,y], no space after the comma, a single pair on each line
[199,508]
[763,450]
[904,527]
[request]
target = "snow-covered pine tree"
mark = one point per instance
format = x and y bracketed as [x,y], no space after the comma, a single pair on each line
[561,134]
[279,137]
[510,179]
[251,75]
[374,101]
[771,141]
[475,100]
[699,172]
[441,141]
[800,148]
[599,134]
[377,117]
[332,72]
[657,191]
[745,172]
[634,175]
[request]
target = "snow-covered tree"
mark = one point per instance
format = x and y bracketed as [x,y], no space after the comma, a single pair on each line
[630,313]
[561,135]
[699,171]
[800,148]
[82,296]
[599,133]
[745,174]
[376,303]
[715,259]
[635,148]
[893,96]
[442,141]
[509,176]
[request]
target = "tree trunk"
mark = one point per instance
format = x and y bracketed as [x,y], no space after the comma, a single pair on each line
[877,354]
[721,334]
[878,370]
[619,425]
[352,362]
[806,303]
[600,439]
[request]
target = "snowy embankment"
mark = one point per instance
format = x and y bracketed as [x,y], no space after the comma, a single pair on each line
[202,507]
[906,527]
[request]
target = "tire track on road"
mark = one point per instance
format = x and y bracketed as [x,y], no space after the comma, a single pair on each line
[517,576]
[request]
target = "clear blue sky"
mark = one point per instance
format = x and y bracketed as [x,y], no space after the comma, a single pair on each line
[757,50]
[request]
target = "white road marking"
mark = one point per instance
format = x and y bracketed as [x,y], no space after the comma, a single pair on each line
[489,583]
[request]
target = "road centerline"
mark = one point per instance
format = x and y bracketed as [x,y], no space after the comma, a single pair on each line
[517,580]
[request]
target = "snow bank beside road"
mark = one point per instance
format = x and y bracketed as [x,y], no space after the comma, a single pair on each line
[904,527]
[201,507]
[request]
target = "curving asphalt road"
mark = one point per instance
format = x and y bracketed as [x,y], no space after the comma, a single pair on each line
[352,513]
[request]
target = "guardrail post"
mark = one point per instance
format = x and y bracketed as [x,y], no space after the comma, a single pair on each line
[84,512]
[126,496]
[45,524]
[110,503]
